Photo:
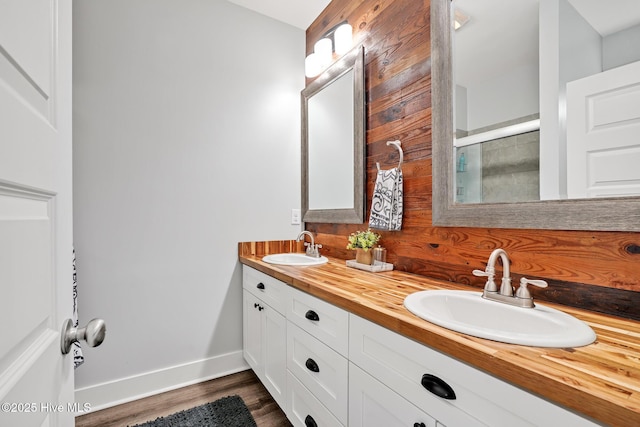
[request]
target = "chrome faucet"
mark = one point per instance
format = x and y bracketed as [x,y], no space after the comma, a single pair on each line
[313,250]
[522,296]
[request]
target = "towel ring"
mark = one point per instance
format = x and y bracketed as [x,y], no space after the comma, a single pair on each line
[396,144]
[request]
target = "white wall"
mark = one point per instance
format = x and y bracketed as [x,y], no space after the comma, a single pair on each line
[504,97]
[186,141]
[621,48]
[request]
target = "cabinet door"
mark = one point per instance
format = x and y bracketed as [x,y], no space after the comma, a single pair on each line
[274,351]
[252,332]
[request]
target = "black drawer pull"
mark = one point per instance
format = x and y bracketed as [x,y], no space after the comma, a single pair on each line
[260,285]
[312,315]
[438,387]
[312,365]
[419,425]
[310,422]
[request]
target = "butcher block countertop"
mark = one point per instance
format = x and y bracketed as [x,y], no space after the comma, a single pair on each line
[601,380]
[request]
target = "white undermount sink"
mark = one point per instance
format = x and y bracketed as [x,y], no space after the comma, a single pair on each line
[469,313]
[294,259]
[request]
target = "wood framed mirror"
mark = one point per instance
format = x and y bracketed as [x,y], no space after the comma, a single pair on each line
[333,143]
[612,213]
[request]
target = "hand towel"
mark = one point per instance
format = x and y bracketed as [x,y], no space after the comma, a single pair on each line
[386,204]
[78,358]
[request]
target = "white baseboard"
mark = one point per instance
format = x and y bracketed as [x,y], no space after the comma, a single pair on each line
[112,393]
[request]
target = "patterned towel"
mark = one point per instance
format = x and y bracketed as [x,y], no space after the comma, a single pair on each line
[78,358]
[386,204]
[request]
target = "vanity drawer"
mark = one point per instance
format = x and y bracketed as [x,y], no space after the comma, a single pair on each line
[323,371]
[400,363]
[371,403]
[303,409]
[322,320]
[271,291]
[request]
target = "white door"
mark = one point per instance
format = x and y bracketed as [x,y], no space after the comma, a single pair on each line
[36,380]
[603,124]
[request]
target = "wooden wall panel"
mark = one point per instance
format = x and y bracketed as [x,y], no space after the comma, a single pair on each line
[594,270]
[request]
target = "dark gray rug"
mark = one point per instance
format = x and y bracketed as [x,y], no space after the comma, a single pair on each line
[226,412]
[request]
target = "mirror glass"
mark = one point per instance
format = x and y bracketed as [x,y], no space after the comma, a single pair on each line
[547,99]
[330,139]
[333,140]
[583,182]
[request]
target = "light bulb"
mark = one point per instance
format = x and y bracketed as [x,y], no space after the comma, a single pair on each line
[322,48]
[344,38]
[312,66]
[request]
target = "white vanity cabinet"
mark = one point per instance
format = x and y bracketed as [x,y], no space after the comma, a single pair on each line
[328,368]
[264,330]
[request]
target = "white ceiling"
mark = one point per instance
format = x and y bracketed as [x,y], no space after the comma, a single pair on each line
[299,13]
[608,17]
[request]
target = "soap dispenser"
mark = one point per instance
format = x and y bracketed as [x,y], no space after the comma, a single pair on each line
[462,163]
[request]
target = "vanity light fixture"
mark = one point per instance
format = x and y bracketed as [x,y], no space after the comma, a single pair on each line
[338,39]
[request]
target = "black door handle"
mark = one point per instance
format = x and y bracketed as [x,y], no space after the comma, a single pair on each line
[260,285]
[312,365]
[312,315]
[438,387]
[310,422]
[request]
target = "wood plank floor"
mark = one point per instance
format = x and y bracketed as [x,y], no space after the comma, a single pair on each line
[245,384]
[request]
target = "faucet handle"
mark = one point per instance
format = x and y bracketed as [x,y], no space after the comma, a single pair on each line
[490,286]
[523,291]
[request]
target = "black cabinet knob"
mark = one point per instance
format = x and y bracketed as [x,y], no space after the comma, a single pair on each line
[419,425]
[260,285]
[312,365]
[260,308]
[438,387]
[312,315]
[310,422]
[255,305]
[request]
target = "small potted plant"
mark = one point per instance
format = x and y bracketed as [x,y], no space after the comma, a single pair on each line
[363,242]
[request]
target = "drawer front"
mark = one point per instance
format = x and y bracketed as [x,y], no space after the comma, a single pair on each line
[303,409]
[400,363]
[271,291]
[323,371]
[322,320]
[371,403]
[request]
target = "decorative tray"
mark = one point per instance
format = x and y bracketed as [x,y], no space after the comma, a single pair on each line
[385,266]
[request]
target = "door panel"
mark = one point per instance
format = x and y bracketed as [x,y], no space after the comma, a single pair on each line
[36,380]
[603,123]
[27,31]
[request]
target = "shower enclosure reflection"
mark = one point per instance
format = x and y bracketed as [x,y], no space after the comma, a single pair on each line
[521,94]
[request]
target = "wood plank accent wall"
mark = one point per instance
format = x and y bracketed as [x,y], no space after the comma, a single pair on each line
[599,271]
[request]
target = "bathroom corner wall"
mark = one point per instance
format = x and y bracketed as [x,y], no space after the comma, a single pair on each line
[186,142]
[594,270]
